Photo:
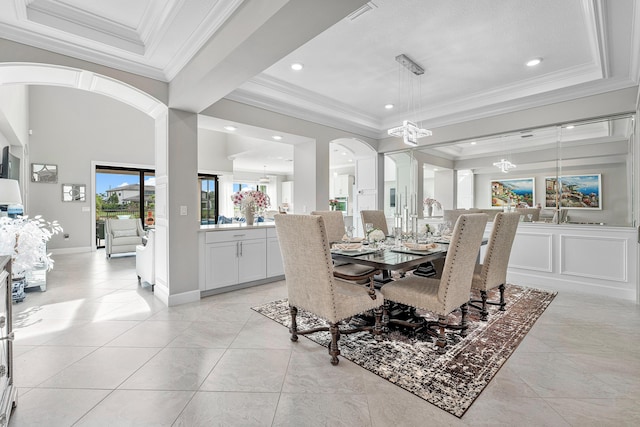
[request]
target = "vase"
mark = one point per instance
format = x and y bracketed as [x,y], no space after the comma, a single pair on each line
[429,210]
[248,215]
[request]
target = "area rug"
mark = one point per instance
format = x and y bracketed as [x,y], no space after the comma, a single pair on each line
[451,381]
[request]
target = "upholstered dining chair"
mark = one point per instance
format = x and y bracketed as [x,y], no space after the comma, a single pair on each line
[492,272]
[311,285]
[443,296]
[334,224]
[376,218]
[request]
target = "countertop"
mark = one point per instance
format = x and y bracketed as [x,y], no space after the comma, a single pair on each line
[238,226]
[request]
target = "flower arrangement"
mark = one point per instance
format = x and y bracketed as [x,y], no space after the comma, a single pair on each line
[255,199]
[432,203]
[25,240]
[333,203]
[376,235]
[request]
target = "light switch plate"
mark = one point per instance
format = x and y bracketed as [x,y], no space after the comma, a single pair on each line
[183,210]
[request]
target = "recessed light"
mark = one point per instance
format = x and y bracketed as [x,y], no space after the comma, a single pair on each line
[296,66]
[533,62]
[350,160]
[389,106]
[435,169]
[344,153]
[570,127]
[231,128]
[277,137]
[473,143]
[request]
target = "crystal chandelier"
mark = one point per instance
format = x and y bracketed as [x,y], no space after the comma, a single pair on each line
[410,131]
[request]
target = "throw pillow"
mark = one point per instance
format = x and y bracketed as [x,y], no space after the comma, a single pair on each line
[125,233]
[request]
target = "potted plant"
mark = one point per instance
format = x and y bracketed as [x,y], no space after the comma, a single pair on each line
[251,201]
[430,204]
[25,240]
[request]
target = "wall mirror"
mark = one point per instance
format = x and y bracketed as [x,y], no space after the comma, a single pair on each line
[44,173]
[581,172]
[74,193]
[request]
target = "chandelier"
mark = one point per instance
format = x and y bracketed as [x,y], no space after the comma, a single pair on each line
[264,179]
[410,131]
[504,165]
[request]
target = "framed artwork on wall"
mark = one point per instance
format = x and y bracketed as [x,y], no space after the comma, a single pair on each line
[74,193]
[519,192]
[574,191]
[44,173]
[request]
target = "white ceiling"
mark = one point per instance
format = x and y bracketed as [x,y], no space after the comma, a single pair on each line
[473,53]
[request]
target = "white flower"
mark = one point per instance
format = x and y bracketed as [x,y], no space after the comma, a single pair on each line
[377,235]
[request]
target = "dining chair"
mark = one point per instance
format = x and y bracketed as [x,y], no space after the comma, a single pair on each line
[442,296]
[311,285]
[377,218]
[334,224]
[492,272]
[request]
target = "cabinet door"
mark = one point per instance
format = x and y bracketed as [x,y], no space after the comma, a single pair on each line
[274,258]
[221,264]
[252,260]
[5,284]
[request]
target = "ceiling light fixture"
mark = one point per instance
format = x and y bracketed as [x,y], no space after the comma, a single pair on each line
[297,66]
[277,137]
[230,128]
[389,106]
[264,179]
[504,165]
[533,62]
[570,127]
[410,72]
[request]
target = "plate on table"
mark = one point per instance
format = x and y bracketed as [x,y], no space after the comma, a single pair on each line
[348,247]
[345,239]
[423,247]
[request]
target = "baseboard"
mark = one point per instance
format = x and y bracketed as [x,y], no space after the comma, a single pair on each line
[558,285]
[162,293]
[76,250]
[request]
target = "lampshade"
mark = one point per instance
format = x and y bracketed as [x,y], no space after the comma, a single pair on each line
[10,192]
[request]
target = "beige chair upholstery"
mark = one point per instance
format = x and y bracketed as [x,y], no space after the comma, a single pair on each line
[492,272]
[451,215]
[311,285]
[122,235]
[376,218]
[452,290]
[334,224]
[534,212]
[145,261]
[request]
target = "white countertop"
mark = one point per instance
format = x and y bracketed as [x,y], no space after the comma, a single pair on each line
[238,226]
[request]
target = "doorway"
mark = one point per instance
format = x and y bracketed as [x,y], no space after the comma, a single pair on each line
[123,192]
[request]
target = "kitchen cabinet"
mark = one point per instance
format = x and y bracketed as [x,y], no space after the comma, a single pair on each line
[342,185]
[234,256]
[274,256]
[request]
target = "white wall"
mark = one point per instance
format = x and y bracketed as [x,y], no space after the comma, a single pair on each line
[212,152]
[72,128]
[14,108]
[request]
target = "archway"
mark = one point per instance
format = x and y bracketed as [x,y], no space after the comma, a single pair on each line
[29,74]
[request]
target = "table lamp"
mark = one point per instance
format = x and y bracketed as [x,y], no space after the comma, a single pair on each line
[10,192]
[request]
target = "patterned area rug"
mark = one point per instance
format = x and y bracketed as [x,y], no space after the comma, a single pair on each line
[451,381]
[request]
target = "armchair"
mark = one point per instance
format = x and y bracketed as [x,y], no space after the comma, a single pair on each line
[122,235]
[145,261]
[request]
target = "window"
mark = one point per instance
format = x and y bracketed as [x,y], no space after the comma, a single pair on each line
[208,198]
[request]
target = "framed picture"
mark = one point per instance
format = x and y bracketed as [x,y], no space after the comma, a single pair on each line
[517,192]
[74,193]
[574,191]
[44,173]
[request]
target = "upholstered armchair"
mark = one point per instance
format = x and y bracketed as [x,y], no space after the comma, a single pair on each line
[445,295]
[122,235]
[492,272]
[311,285]
[145,261]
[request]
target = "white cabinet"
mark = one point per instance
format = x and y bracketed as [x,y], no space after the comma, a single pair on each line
[234,256]
[342,185]
[287,195]
[274,256]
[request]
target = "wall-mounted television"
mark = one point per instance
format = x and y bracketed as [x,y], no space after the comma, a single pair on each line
[10,166]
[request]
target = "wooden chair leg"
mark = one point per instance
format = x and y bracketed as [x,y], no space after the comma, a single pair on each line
[483,312]
[334,351]
[502,303]
[385,317]
[464,323]
[377,327]
[294,326]
[442,337]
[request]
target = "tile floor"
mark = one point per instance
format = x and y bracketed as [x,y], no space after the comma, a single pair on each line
[95,349]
